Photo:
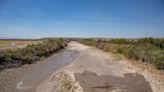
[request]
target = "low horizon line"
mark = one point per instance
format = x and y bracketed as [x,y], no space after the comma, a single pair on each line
[10,38]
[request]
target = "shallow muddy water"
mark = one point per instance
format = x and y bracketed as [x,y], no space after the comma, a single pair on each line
[27,77]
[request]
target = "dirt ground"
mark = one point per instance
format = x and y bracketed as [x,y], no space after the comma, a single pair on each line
[95,71]
[79,68]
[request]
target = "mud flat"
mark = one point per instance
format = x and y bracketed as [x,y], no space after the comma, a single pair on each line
[132,82]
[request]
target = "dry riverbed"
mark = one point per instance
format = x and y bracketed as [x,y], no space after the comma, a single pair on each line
[80,68]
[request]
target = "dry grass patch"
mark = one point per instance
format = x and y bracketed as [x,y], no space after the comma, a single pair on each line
[8,43]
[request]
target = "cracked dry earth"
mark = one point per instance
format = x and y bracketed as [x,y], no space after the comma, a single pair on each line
[79,68]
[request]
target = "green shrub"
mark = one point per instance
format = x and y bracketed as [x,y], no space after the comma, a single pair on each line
[159,64]
[120,50]
[149,50]
[29,54]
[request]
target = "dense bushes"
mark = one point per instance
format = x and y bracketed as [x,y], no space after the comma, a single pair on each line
[148,50]
[30,54]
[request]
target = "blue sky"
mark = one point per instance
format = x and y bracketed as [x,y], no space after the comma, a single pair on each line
[81,18]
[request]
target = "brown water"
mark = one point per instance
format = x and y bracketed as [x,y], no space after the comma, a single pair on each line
[132,82]
[27,77]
